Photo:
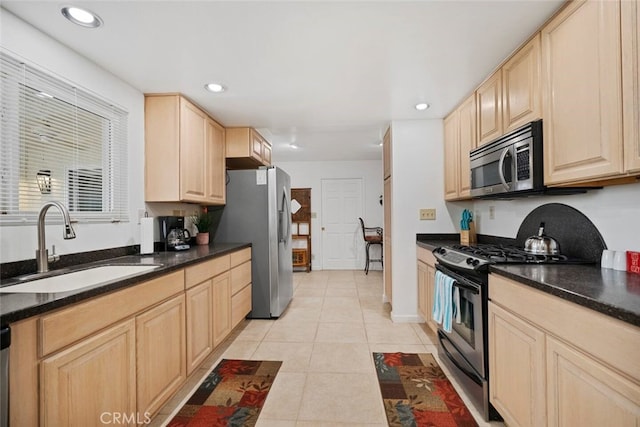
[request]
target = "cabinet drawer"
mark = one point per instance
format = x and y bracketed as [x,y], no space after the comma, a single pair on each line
[240,305]
[205,270]
[426,256]
[68,325]
[240,256]
[240,277]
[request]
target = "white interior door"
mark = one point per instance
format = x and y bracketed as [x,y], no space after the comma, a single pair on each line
[341,207]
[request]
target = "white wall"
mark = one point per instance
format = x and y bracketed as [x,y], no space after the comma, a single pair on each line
[19,242]
[311,174]
[417,182]
[613,210]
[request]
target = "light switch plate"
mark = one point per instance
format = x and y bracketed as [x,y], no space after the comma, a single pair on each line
[427,214]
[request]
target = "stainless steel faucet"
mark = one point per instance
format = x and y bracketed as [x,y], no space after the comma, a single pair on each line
[42,253]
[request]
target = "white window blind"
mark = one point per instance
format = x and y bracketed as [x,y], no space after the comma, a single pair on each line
[59,142]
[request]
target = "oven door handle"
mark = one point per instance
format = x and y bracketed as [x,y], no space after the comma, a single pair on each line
[466,287]
[501,168]
[472,375]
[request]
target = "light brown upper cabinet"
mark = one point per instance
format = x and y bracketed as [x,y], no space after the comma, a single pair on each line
[386,154]
[489,98]
[631,83]
[184,152]
[582,93]
[511,97]
[247,149]
[216,189]
[451,155]
[387,197]
[459,140]
[521,87]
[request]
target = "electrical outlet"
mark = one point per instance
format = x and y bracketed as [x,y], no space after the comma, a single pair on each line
[427,214]
[492,212]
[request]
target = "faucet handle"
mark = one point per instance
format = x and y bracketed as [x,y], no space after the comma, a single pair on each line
[53,257]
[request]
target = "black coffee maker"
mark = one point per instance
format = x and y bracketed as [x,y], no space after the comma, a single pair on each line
[173,234]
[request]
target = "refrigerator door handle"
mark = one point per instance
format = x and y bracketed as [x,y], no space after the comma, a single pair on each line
[285,214]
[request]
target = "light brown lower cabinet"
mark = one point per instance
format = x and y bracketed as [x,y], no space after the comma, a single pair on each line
[117,358]
[426,285]
[584,392]
[199,324]
[221,307]
[555,363]
[516,364]
[86,384]
[160,354]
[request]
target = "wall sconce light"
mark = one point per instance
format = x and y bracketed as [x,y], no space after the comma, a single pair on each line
[43,176]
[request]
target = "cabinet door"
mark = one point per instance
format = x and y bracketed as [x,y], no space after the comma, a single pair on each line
[199,324]
[521,89]
[489,98]
[467,138]
[215,165]
[193,138]
[386,235]
[516,364]
[583,392]
[266,153]
[582,98]
[386,154]
[161,347]
[631,83]
[221,307]
[422,290]
[256,145]
[92,379]
[451,156]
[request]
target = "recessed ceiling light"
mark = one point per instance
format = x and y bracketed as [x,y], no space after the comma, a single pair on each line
[214,87]
[422,106]
[294,146]
[81,17]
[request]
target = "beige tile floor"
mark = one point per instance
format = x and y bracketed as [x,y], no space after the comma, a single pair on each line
[324,339]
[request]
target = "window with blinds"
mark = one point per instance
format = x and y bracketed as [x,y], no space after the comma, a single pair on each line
[59,142]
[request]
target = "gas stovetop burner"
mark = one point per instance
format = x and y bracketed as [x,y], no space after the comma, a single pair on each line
[508,254]
[478,257]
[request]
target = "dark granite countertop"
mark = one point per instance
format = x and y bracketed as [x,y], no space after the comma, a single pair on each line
[14,307]
[614,293]
[611,292]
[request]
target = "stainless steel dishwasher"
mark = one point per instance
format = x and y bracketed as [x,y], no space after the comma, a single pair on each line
[5,341]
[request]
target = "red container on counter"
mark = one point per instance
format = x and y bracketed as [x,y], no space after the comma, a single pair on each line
[633,262]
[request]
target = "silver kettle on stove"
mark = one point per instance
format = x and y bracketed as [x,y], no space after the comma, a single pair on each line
[542,244]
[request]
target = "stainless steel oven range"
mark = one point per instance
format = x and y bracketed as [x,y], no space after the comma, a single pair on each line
[464,350]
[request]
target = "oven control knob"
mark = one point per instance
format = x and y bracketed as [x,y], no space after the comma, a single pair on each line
[475,262]
[442,251]
[469,261]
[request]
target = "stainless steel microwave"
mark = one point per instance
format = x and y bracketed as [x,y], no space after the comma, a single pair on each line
[509,166]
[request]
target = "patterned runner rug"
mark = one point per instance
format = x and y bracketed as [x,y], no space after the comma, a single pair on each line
[416,392]
[231,395]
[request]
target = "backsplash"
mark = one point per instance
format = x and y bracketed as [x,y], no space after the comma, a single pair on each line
[614,211]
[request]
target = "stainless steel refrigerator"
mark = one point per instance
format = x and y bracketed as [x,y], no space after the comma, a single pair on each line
[258,210]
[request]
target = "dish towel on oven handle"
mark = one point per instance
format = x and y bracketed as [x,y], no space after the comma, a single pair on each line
[443,310]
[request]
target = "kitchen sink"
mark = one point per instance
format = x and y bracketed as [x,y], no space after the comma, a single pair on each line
[78,279]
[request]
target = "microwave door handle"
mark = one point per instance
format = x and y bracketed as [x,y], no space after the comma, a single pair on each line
[501,168]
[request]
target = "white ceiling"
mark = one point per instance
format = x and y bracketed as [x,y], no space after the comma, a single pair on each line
[327,75]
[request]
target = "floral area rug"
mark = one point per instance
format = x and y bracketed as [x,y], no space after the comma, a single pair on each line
[232,395]
[416,392]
